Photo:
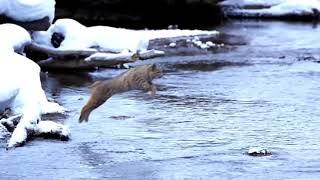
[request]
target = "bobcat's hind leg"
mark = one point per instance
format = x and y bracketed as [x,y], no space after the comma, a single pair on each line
[94,102]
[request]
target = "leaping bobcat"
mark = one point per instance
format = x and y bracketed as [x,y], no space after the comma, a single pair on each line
[138,78]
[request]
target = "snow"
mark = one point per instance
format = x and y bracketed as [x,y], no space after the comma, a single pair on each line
[29,10]
[50,127]
[210,44]
[274,7]
[125,55]
[14,36]
[109,56]
[255,150]
[172,44]
[294,7]
[196,41]
[25,88]
[20,85]
[243,3]
[26,96]
[80,37]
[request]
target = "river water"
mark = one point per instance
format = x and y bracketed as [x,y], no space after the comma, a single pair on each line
[209,110]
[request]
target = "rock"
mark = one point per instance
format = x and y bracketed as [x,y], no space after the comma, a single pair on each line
[199,44]
[309,57]
[57,39]
[36,25]
[257,151]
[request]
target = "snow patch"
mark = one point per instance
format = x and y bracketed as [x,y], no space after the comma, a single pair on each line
[28,10]
[208,44]
[15,38]
[172,44]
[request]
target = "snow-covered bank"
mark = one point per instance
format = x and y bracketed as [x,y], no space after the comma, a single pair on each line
[79,37]
[107,46]
[22,10]
[20,85]
[248,3]
[272,8]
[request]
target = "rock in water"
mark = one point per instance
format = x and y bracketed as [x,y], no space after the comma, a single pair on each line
[257,151]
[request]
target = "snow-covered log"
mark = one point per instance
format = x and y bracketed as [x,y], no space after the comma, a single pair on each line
[79,59]
[150,54]
[89,58]
[57,53]
[124,57]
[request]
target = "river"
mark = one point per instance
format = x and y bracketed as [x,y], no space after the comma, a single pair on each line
[209,110]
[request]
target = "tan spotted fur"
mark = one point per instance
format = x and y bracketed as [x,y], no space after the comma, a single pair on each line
[138,78]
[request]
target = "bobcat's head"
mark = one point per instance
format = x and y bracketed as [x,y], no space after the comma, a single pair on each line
[154,71]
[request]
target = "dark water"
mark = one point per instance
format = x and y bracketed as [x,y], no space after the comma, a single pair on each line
[208,111]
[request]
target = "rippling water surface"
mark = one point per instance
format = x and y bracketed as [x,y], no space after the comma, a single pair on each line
[208,111]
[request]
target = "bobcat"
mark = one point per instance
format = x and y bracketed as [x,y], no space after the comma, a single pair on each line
[138,78]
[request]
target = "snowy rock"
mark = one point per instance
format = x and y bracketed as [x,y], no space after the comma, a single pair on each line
[210,44]
[32,15]
[52,129]
[272,8]
[172,44]
[257,151]
[150,54]
[196,41]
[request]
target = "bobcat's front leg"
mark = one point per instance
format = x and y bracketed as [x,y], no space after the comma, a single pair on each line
[149,87]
